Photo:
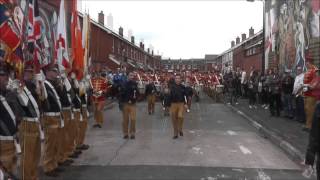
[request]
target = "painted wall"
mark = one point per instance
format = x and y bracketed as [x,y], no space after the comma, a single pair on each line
[291,30]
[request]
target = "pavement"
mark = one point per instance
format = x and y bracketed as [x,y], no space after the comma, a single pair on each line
[218,143]
[284,132]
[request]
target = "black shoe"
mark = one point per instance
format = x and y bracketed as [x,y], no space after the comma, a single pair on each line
[305,129]
[70,161]
[175,137]
[149,113]
[126,137]
[73,156]
[181,133]
[51,174]
[99,126]
[132,137]
[95,126]
[59,169]
[78,152]
[84,147]
[65,163]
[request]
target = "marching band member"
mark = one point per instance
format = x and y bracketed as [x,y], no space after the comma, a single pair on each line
[65,132]
[11,113]
[51,121]
[83,89]
[76,111]
[30,129]
[165,98]
[150,93]
[178,103]
[99,85]
[128,97]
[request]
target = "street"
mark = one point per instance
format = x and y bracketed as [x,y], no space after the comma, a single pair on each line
[217,144]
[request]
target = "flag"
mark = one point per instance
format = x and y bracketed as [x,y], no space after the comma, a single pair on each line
[8,35]
[34,34]
[86,41]
[61,40]
[76,43]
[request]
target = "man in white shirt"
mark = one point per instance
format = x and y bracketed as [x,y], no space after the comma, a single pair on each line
[298,93]
[243,82]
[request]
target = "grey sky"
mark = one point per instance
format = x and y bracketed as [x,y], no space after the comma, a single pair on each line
[182,29]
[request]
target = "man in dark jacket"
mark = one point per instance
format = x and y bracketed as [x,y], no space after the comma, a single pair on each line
[151,96]
[178,101]
[287,88]
[128,97]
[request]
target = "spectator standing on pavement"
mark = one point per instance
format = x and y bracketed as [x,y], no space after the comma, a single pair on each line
[252,89]
[287,88]
[313,150]
[274,84]
[178,103]
[238,82]
[243,82]
[128,97]
[298,93]
[309,99]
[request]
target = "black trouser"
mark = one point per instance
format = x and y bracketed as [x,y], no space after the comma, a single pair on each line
[252,97]
[275,104]
[264,96]
[299,111]
[318,166]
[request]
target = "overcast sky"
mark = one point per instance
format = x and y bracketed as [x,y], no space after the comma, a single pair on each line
[182,29]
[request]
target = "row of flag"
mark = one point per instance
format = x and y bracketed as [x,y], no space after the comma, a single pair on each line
[22,40]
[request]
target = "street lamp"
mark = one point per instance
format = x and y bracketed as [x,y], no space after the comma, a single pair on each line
[263,34]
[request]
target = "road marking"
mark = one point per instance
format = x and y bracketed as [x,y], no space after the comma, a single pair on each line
[245,150]
[197,150]
[232,133]
[263,176]
[238,170]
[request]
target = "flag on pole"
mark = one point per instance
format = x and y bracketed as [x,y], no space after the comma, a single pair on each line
[34,35]
[8,34]
[76,40]
[61,40]
[86,42]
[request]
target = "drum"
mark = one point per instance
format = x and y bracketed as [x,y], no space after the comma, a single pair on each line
[141,88]
[219,88]
[158,87]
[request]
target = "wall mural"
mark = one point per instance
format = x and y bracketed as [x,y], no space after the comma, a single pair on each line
[290,25]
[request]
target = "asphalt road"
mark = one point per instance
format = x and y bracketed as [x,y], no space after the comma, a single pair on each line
[217,144]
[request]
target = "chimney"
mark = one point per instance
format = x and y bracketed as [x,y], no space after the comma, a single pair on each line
[142,46]
[132,39]
[251,32]
[152,52]
[244,37]
[101,18]
[121,31]
[148,50]
[237,40]
[232,43]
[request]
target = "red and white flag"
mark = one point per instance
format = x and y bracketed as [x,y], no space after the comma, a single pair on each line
[61,40]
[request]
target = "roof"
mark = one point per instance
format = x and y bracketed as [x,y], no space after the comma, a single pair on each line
[109,31]
[210,56]
[237,45]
